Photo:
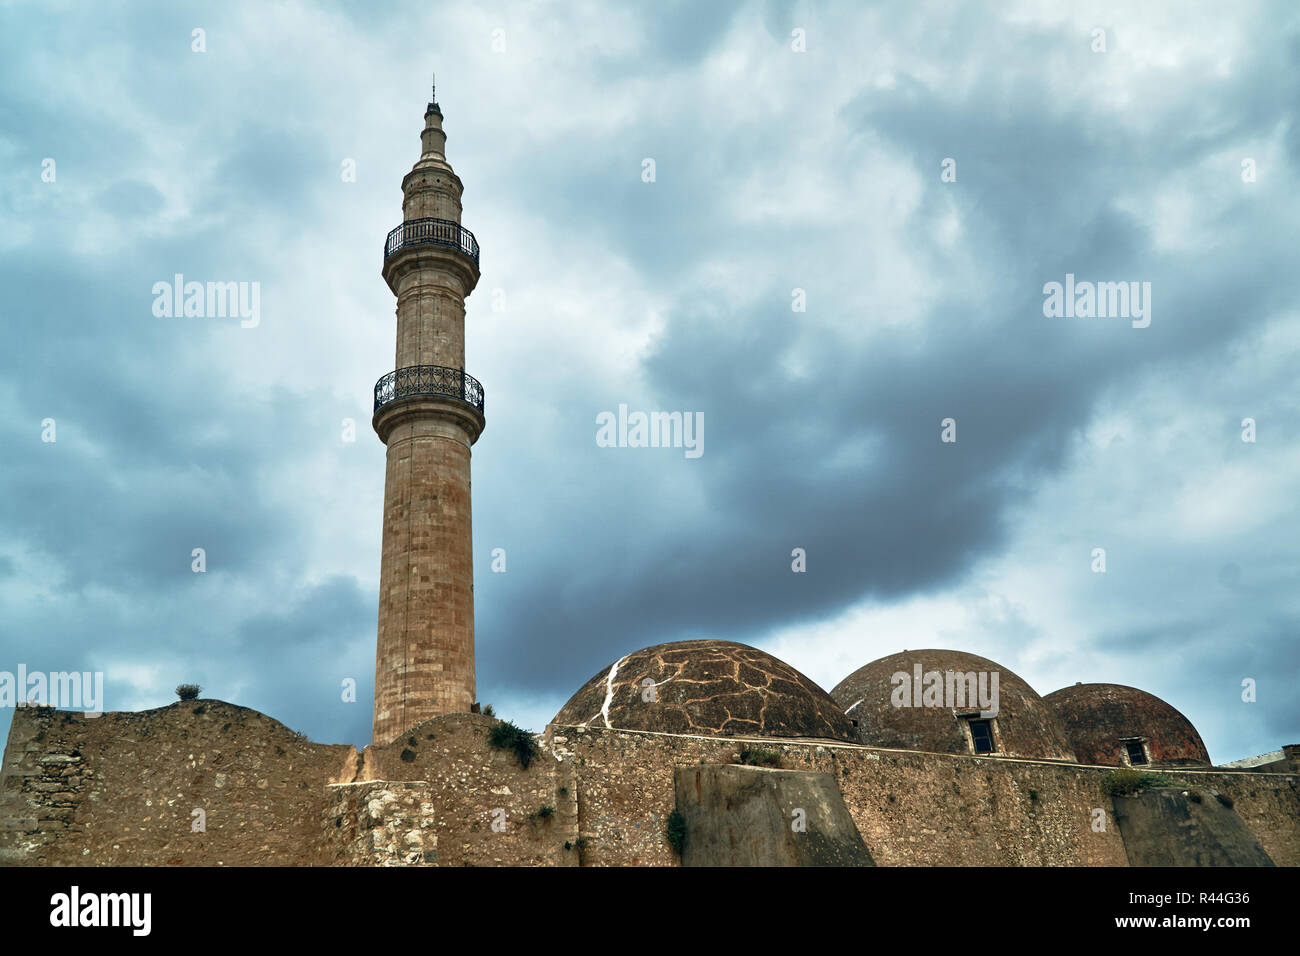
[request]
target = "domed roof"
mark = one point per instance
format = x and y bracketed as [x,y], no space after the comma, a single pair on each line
[931,700]
[714,688]
[1117,725]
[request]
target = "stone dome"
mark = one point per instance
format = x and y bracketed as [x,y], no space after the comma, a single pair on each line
[942,714]
[713,688]
[1122,726]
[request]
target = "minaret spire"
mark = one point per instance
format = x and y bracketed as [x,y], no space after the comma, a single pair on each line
[428,412]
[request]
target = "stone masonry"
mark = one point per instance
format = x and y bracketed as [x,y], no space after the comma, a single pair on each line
[424,662]
[121,789]
[381,824]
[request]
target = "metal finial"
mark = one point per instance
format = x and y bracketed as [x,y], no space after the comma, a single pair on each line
[433,90]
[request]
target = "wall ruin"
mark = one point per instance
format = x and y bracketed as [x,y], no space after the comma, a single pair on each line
[121,789]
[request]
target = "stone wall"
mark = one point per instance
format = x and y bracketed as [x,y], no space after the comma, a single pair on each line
[735,815]
[1268,803]
[1173,826]
[625,788]
[380,824]
[120,789]
[912,809]
[474,786]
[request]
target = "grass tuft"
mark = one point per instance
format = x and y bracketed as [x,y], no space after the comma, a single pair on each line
[506,736]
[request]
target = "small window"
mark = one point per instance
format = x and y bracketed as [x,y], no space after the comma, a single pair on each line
[981,735]
[1137,754]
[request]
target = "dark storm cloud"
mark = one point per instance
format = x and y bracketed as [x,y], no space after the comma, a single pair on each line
[923,511]
[153,456]
[157,452]
[174,435]
[1037,196]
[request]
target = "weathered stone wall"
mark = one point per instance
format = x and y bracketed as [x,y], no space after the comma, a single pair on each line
[1173,826]
[475,785]
[939,810]
[120,789]
[911,808]
[1268,803]
[734,815]
[380,824]
[625,791]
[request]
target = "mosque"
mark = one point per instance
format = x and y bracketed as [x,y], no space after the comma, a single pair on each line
[697,752]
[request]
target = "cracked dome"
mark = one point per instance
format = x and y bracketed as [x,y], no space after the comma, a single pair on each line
[1024,725]
[1118,725]
[713,688]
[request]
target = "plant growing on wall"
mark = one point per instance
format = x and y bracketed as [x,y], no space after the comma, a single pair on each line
[760,758]
[1126,781]
[506,736]
[541,814]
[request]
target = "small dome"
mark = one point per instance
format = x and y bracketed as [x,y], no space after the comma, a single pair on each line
[1122,726]
[931,700]
[713,688]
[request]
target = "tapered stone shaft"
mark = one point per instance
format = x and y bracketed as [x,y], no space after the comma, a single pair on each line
[428,412]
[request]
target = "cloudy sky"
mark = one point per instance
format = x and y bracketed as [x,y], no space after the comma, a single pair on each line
[776,170]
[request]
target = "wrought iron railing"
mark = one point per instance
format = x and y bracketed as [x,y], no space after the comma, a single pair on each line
[437,232]
[429,380]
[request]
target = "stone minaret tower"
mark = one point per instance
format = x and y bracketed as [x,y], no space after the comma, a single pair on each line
[428,412]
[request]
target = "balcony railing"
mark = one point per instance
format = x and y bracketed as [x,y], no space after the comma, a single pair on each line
[436,232]
[429,380]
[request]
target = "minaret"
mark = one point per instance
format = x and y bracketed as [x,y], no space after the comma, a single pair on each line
[428,412]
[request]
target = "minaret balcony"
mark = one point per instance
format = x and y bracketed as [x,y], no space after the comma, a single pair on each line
[422,248]
[429,380]
[431,232]
[425,393]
